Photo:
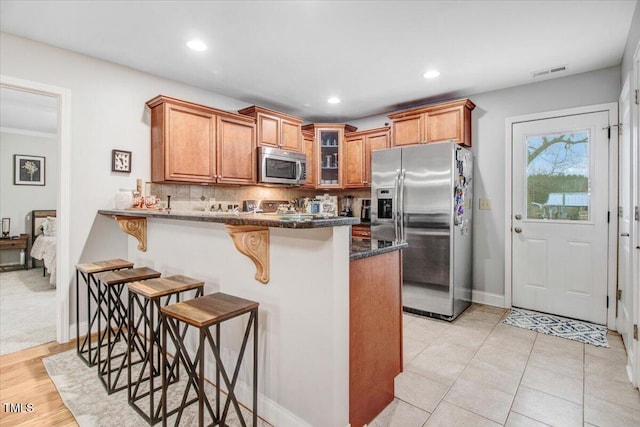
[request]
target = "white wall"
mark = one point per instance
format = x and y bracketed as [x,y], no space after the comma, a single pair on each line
[304,311]
[488,124]
[632,42]
[16,201]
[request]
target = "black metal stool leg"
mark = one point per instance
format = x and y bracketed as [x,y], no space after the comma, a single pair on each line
[255,368]
[209,311]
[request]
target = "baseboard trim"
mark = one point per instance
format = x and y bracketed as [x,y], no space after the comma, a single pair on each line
[268,409]
[83,330]
[488,298]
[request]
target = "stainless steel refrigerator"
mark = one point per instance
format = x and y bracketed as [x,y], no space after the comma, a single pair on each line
[422,195]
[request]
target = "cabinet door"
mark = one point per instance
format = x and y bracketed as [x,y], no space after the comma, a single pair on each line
[361,231]
[354,162]
[408,130]
[329,143]
[374,142]
[268,130]
[189,145]
[236,151]
[445,125]
[291,136]
[310,151]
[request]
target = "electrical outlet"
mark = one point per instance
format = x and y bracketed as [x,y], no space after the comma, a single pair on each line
[484,204]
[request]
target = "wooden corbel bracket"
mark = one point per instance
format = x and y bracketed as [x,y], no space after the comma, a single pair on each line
[253,241]
[135,226]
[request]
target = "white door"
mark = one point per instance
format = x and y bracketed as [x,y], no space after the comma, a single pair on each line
[559,227]
[624,306]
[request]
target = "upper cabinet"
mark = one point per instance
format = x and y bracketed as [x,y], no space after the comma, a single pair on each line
[328,141]
[450,121]
[357,153]
[310,151]
[192,143]
[276,129]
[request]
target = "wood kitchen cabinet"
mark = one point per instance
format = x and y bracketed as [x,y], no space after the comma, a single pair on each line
[236,151]
[192,143]
[358,148]
[274,129]
[329,142]
[361,231]
[450,121]
[375,334]
[309,147]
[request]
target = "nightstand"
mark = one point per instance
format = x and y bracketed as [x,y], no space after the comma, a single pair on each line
[20,243]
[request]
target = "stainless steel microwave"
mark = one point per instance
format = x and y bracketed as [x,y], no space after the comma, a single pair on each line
[281,167]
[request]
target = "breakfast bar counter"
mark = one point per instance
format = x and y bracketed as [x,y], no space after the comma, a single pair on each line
[293,220]
[312,295]
[358,249]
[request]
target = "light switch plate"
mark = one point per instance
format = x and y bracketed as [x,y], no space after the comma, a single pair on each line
[485,204]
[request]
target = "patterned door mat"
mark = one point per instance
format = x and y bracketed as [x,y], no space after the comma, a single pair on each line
[571,329]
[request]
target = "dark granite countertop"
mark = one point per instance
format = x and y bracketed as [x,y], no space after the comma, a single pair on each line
[365,248]
[265,220]
[358,249]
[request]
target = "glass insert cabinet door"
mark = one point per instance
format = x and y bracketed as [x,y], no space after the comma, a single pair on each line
[558,178]
[329,160]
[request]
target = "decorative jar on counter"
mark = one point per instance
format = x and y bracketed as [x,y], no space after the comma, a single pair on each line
[124,198]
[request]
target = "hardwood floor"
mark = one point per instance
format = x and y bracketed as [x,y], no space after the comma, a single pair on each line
[24,380]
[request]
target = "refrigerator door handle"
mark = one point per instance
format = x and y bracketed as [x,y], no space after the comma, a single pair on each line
[394,200]
[401,207]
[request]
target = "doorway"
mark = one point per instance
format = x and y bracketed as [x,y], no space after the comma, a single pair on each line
[625,291]
[63,275]
[562,173]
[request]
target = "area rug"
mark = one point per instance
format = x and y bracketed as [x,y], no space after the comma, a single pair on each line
[562,327]
[27,310]
[84,395]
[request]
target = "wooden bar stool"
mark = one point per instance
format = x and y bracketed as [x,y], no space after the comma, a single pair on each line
[145,299]
[203,313]
[114,310]
[88,271]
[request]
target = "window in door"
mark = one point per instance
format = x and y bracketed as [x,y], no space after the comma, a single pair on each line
[557,176]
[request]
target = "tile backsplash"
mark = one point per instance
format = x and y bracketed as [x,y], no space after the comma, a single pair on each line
[197,197]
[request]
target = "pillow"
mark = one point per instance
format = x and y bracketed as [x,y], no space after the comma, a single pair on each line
[49,226]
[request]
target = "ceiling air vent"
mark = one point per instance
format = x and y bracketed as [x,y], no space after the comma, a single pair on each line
[549,71]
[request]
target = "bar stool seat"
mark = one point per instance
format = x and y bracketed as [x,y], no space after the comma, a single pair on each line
[87,271]
[203,313]
[111,285]
[145,299]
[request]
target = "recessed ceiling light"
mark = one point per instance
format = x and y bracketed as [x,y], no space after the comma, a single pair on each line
[197,45]
[431,74]
[333,100]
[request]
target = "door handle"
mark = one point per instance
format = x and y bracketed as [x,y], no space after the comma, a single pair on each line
[395,213]
[518,230]
[624,234]
[401,206]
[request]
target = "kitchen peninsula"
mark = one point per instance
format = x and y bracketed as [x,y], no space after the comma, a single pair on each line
[330,320]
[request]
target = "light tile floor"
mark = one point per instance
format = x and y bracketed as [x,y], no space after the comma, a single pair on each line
[477,371]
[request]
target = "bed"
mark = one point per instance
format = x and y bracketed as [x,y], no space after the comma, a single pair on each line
[43,232]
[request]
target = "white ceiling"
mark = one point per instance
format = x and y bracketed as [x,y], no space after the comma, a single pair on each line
[25,111]
[293,55]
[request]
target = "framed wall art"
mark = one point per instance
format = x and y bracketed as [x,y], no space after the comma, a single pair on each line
[28,170]
[120,161]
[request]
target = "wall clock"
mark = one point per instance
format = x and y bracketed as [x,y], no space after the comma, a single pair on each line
[120,161]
